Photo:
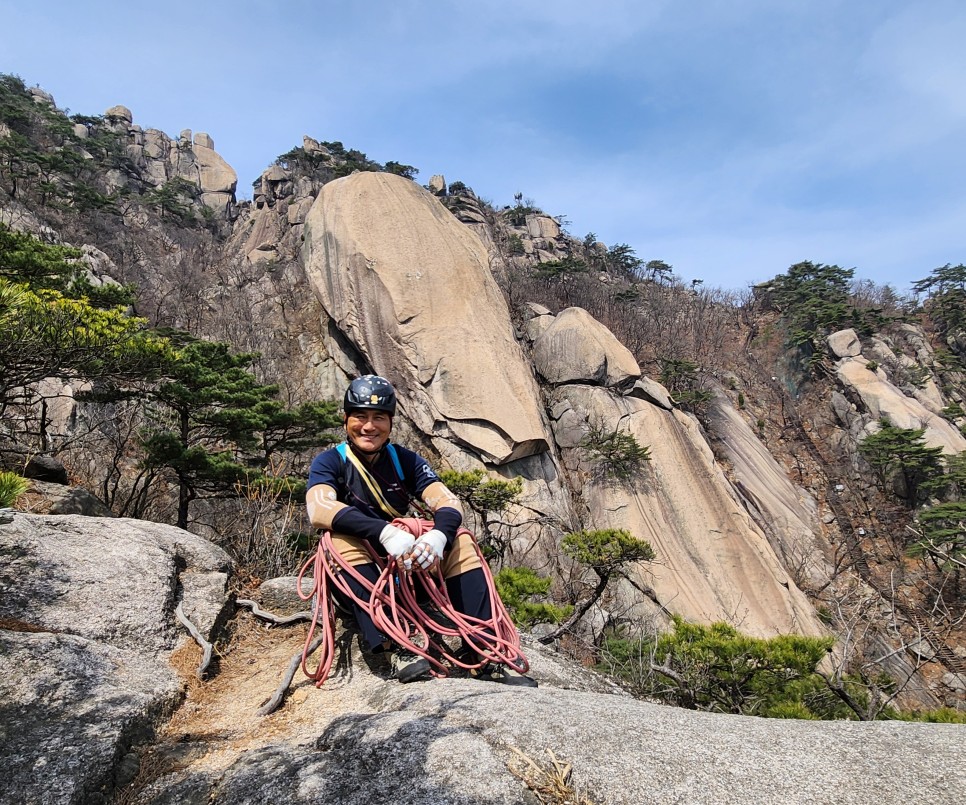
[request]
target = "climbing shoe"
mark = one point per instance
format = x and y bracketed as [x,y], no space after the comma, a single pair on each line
[505,675]
[408,667]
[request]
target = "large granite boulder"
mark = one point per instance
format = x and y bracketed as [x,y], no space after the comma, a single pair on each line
[87,629]
[411,290]
[576,347]
[363,738]
[883,400]
[713,562]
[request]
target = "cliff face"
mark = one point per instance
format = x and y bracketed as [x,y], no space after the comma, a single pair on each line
[410,289]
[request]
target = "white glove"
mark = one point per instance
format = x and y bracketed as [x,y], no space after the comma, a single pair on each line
[429,548]
[396,541]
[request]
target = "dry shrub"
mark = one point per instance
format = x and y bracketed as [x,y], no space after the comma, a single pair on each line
[550,780]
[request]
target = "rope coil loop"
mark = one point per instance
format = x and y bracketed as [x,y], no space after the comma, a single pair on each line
[394,608]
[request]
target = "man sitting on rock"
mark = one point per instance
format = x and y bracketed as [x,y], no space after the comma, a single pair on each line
[356,489]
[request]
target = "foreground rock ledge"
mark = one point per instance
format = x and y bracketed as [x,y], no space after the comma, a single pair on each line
[82,699]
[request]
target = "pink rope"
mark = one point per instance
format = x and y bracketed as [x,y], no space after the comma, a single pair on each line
[394,610]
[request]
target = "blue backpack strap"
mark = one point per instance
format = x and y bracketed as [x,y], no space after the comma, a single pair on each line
[395,461]
[341,448]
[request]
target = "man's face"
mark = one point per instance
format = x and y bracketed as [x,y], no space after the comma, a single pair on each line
[368,430]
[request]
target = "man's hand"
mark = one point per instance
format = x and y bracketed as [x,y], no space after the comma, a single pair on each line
[396,540]
[429,548]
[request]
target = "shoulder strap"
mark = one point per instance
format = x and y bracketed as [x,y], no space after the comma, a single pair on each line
[390,448]
[369,481]
[395,461]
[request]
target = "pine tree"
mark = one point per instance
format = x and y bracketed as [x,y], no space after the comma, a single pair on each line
[901,458]
[208,412]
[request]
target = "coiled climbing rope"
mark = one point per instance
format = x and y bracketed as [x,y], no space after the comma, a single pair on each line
[394,608]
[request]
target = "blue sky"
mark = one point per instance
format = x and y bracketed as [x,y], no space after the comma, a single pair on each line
[729,138]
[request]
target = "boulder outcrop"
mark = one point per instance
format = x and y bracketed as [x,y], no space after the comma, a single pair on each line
[713,562]
[883,400]
[87,629]
[410,288]
[575,347]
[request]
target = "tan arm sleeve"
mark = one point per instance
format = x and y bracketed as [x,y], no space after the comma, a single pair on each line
[322,505]
[437,496]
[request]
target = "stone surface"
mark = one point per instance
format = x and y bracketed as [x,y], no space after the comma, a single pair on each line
[653,392]
[54,498]
[787,514]
[45,468]
[713,562]
[280,595]
[87,628]
[410,288]
[123,576]
[882,399]
[845,344]
[364,739]
[576,348]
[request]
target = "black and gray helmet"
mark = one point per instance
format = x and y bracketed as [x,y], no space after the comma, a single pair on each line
[370,392]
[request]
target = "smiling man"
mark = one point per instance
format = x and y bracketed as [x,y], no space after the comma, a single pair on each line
[358,488]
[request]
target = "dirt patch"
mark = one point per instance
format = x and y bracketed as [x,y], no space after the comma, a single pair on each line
[218,721]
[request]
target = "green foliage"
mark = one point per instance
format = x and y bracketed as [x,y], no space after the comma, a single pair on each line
[901,459]
[298,160]
[458,188]
[815,299]
[680,378]
[622,260]
[310,425]
[174,199]
[399,169]
[555,269]
[517,586]
[28,260]
[16,105]
[480,493]
[514,245]
[206,411]
[517,214]
[43,161]
[658,271]
[943,535]
[944,715]
[340,161]
[628,296]
[716,668]
[618,454]
[917,375]
[44,333]
[12,486]
[952,412]
[485,497]
[605,550]
[946,300]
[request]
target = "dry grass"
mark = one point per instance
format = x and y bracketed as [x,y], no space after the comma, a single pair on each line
[550,780]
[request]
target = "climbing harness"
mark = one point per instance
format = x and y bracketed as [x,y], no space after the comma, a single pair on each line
[395,610]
